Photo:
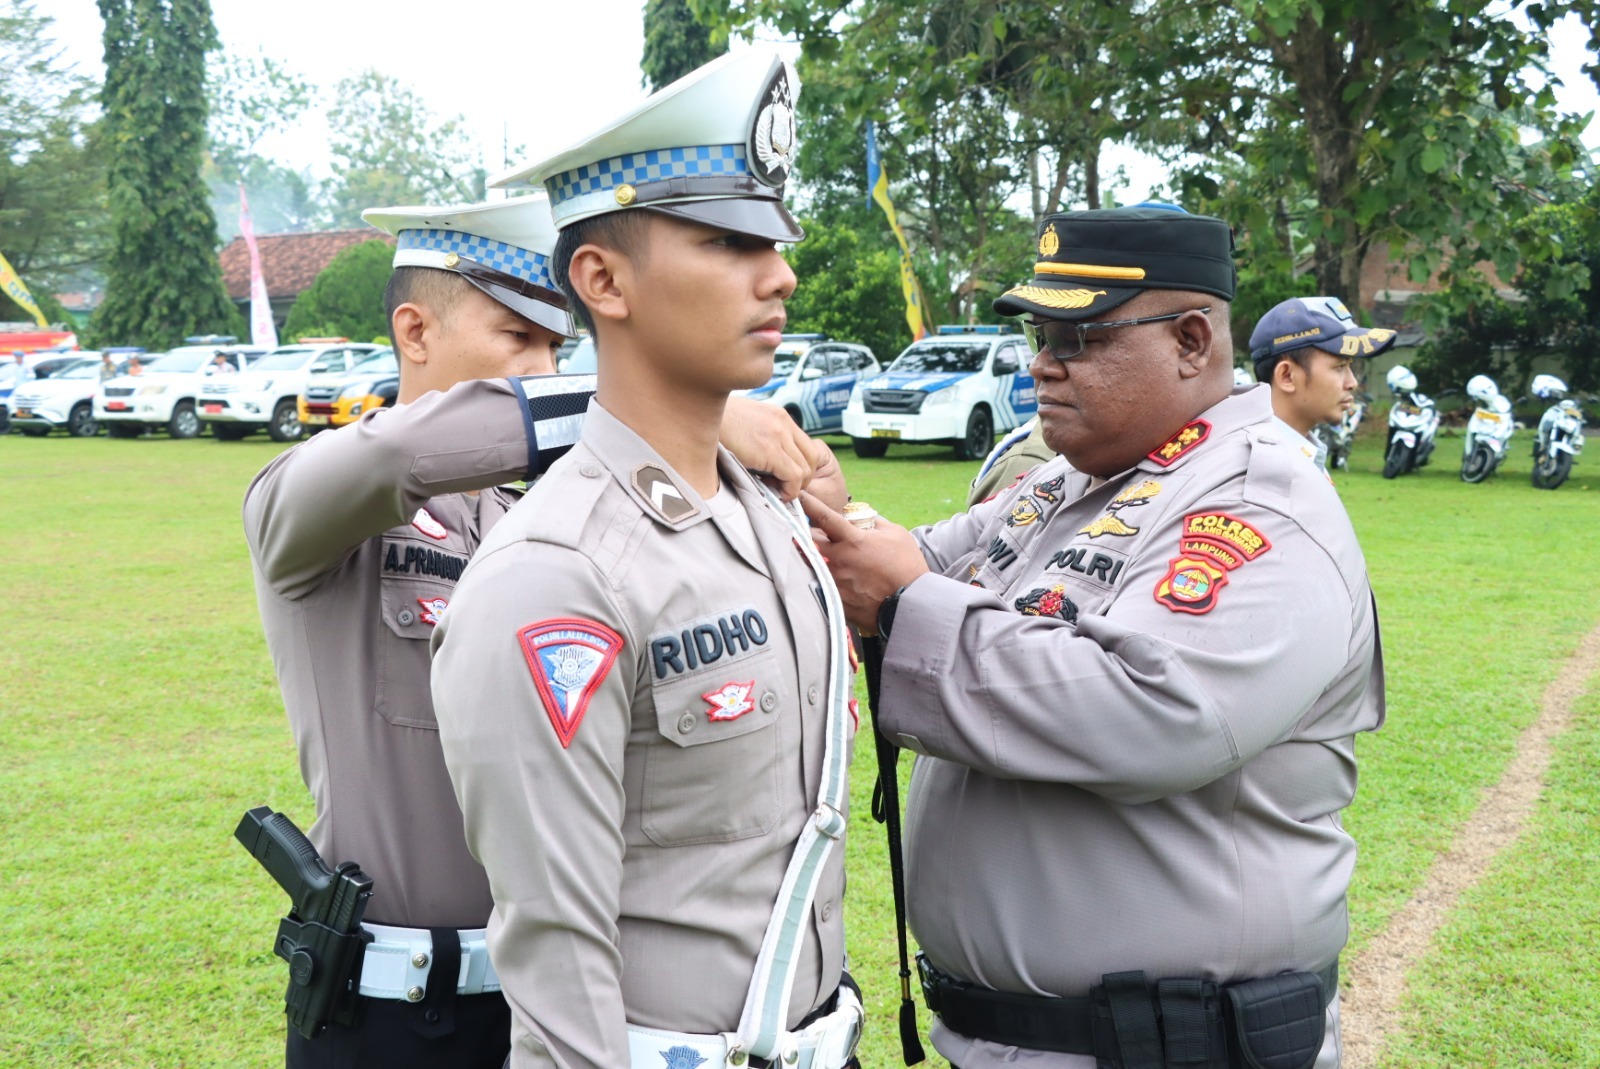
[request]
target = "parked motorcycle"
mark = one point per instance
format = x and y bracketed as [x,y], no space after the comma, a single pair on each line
[1413,422]
[1488,431]
[1338,437]
[1560,437]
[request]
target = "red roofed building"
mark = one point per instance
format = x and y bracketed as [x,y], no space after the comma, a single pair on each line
[289,263]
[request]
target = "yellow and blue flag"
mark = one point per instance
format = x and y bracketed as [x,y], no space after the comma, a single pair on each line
[878,190]
[13,287]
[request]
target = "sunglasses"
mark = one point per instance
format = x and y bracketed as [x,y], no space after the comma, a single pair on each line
[1065,340]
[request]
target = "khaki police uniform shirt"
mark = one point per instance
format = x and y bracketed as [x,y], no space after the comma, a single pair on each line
[632,698]
[1020,455]
[1137,703]
[358,537]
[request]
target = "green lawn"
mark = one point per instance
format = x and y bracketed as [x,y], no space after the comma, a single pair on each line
[139,718]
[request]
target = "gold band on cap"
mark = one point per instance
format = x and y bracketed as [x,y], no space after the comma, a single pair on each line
[1088,271]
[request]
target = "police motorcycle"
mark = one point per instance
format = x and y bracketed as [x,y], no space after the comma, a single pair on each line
[1560,437]
[1488,431]
[1339,437]
[1413,422]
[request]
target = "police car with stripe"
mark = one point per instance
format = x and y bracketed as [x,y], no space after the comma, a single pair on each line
[962,386]
[813,378]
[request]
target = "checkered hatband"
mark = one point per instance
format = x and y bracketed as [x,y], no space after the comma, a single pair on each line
[528,266]
[636,168]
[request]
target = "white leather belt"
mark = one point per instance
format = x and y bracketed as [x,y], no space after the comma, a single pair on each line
[826,1043]
[398,960]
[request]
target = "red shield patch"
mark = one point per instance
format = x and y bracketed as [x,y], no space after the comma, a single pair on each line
[569,660]
[1191,585]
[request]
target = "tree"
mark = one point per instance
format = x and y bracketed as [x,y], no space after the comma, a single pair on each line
[163,279]
[388,149]
[848,288]
[675,43]
[251,98]
[1364,122]
[53,220]
[346,298]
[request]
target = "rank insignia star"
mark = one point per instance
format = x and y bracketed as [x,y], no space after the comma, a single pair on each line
[730,701]
[1180,444]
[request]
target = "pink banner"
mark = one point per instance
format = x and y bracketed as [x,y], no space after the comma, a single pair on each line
[262,330]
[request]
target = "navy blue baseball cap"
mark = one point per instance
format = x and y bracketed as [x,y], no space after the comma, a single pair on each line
[1322,322]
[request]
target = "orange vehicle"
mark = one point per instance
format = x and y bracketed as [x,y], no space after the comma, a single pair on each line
[334,399]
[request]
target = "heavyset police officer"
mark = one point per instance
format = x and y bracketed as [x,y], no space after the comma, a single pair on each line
[643,682]
[1133,680]
[358,538]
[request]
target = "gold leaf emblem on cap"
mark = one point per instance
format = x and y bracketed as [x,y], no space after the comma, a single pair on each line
[626,194]
[1049,243]
[1054,298]
[451,259]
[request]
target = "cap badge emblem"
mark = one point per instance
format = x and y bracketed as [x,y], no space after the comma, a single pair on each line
[1049,243]
[451,259]
[774,136]
[626,194]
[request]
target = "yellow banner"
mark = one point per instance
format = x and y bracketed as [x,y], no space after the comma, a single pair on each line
[13,287]
[879,179]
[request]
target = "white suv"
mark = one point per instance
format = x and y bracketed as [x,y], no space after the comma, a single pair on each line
[962,385]
[812,379]
[163,394]
[64,399]
[266,395]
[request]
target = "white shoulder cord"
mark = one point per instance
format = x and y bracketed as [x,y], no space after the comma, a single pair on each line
[761,1026]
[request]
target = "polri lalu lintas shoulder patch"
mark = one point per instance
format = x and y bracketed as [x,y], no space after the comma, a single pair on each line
[569,659]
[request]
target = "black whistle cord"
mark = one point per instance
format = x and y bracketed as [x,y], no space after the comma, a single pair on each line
[886,811]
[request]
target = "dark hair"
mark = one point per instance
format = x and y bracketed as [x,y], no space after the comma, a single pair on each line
[622,231]
[1301,357]
[433,287]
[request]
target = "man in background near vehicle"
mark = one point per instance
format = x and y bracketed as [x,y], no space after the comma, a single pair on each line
[357,538]
[1134,682]
[220,365]
[644,688]
[108,367]
[1305,349]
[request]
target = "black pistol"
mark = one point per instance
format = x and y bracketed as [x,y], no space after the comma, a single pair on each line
[321,938]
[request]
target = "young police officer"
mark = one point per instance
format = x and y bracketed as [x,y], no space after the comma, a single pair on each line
[1305,348]
[358,537]
[1134,679]
[644,680]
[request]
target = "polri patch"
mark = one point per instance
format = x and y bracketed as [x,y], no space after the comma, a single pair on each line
[569,659]
[432,610]
[1191,585]
[1181,444]
[1048,601]
[424,522]
[730,701]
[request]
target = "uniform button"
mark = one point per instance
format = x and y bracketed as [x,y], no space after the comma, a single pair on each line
[827,910]
[769,702]
[686,723]
[811,695]
[406,617]
[414,994]
[589,471]
[419,961]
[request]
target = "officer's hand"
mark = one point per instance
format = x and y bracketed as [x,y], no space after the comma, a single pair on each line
[867,565]
[769,443]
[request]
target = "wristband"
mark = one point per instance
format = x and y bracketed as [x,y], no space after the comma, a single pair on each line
[886,611]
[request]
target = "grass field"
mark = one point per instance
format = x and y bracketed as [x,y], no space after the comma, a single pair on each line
[139,718]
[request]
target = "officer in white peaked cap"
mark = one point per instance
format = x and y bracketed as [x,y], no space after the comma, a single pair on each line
[358,538]
[644,684]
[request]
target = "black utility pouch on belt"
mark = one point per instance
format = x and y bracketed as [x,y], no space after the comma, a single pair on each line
[1278,1020]
[1272,1023]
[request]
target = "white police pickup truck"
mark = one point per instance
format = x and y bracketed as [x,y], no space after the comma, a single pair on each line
[962,386]
[162,395]
[266,395]
[812,379]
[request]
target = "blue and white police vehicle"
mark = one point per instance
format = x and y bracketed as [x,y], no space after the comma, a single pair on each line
[812,378]
[962,386]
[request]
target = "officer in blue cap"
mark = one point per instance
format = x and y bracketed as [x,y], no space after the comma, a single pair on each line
[644,683]
[1306,349]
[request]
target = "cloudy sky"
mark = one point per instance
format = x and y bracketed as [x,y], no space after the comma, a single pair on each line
[531,72]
